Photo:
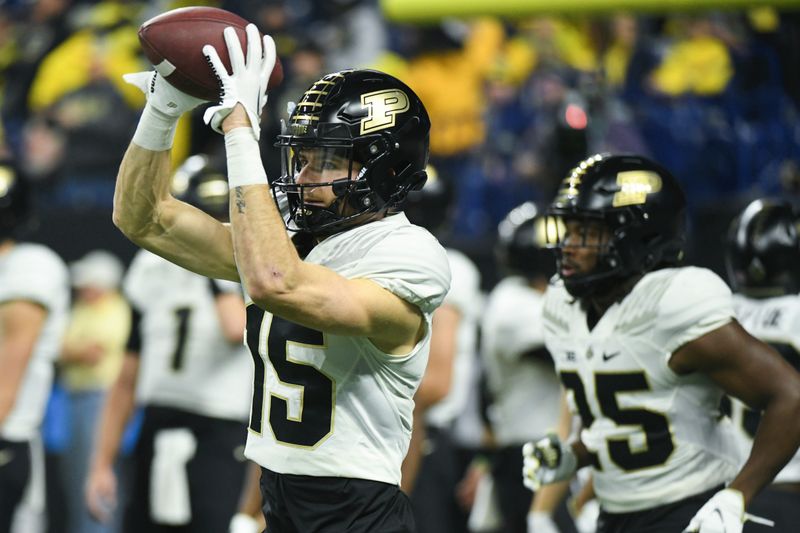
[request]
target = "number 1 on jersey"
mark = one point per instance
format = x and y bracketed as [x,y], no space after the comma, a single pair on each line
[182,318]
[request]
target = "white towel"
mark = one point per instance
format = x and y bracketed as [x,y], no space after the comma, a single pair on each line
[170,501]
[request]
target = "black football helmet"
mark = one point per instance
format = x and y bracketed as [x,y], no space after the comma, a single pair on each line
[368,118]
[201,182]
[14,200]
[522,244]
[429,206]
[638,201]
[763,252]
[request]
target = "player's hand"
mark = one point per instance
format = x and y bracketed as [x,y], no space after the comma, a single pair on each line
[247,83]
[547,461]
[161,95]
[539,522]
[723,513]
[101,493]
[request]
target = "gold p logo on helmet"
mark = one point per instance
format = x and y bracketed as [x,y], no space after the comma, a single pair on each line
[634,186]
[383,108]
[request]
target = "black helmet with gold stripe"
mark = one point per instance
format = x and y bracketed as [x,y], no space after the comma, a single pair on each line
[370,125]
[638,202]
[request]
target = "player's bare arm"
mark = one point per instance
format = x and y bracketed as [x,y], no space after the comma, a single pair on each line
[755,373]
[101,483]
[278,280]
[20,324]
[145,210]
[149,216]
[272,272]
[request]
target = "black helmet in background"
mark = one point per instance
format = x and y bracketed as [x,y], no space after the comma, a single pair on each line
[365,117]
[638,201]
[521,247]
[430,206]
[763,249]
[201,181]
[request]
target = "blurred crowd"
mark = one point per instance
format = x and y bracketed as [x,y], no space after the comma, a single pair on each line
[514,104]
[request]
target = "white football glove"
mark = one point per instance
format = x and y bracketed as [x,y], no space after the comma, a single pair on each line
[161,95]
[547,461]
[539,522]
[247,83]
[723,513]
[243,523]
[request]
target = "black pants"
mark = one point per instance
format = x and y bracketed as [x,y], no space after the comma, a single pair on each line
[433,496]
[15,473]
[777,504]
[215,473]
[310,504]
[514,498]
[669,518]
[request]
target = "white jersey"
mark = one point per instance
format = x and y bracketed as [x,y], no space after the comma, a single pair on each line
[775,321]
[331,405]
[186,362]
[465,296]
[34,273]
[658,437]
[525,391]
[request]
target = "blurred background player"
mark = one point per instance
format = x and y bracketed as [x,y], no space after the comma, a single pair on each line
[763,262]
[525,391]
[188,368]
[34,306]
[91,357]
[434,466]
[647,349]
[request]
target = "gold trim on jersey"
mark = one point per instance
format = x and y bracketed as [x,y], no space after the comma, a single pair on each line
[325,437]
[263,334]
[640,427]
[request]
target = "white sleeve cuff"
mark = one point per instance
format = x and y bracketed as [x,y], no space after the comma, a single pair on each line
[244,159]
[156,130]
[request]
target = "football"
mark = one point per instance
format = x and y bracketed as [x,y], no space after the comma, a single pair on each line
[173,42]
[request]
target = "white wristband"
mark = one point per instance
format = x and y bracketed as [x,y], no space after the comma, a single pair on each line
[156,130]
[243,523]
[244,159]
[541,522]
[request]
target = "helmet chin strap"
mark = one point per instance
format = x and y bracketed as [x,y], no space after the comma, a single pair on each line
[603,278]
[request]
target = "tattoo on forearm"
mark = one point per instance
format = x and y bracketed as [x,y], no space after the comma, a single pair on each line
[240,205]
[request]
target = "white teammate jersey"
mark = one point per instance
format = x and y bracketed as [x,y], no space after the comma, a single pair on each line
[331,405]
[776,321]
[185,360]
[465,296]
[35,273]
[657,437]
[525,391]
